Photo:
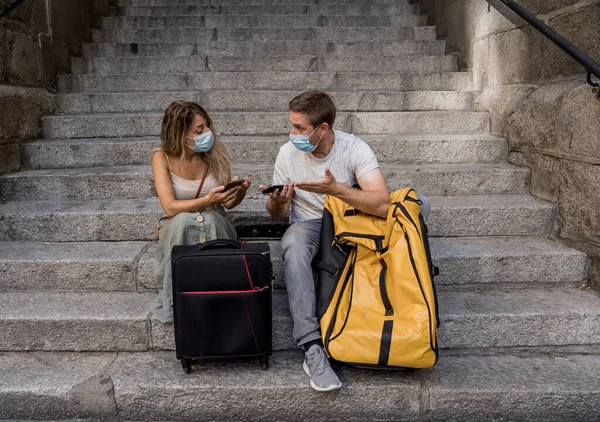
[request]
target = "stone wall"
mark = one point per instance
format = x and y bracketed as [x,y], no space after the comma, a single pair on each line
[36,40]
[537,97]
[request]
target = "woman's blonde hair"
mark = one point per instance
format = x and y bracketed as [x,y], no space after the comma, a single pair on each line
[178,118]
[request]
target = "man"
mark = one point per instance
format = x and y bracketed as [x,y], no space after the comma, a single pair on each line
[317,161]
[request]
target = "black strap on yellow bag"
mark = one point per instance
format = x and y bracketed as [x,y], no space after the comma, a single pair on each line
[375,296]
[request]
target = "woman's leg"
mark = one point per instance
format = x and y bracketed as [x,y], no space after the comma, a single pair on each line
[178,230]
[217,226]
[183,229]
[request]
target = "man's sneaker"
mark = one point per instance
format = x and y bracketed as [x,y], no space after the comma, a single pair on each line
[317,367]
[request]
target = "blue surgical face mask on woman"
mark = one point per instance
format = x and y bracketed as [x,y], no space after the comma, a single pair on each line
[204,142]
[302,142]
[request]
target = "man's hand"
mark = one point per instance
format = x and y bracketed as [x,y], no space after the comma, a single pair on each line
[326,185]
[279,203]
[281,198]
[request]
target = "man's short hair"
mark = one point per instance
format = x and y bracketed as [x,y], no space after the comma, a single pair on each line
[317,105]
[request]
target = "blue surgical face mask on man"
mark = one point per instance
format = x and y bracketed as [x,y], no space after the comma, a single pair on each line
[203,142]
[302,142]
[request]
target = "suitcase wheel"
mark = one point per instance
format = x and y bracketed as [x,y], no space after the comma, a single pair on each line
[186,364]
[264,362]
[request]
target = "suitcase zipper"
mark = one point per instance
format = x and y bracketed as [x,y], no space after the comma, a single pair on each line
[411,199]
[414,266]
[248,271]
[328,337]
[377,239]
[389,310]
[255,290]
[416,201]
[407,215]
[432,268]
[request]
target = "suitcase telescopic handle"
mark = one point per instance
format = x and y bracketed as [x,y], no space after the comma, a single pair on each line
[220,243]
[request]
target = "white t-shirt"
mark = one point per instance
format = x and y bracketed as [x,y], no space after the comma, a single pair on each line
[348,160]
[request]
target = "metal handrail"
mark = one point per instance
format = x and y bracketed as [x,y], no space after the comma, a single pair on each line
[592,67]
[7,5]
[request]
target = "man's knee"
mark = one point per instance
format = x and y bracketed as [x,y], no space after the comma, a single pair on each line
[295,241]
[425,206]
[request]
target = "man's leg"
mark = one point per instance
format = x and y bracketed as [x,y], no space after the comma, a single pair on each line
[425,207]
[300,244]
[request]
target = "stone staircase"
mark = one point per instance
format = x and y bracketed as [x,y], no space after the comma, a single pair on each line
[519,337]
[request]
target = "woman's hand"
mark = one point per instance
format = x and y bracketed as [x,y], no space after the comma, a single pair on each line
[241,193]
[218,196]
[244,186]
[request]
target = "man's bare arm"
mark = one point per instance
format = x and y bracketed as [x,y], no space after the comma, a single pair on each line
[372,197]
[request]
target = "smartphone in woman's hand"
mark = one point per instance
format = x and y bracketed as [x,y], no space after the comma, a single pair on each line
[233,184]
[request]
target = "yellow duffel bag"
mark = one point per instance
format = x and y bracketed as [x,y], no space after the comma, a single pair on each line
[375,296]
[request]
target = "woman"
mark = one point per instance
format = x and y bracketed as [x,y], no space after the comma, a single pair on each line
[190,170]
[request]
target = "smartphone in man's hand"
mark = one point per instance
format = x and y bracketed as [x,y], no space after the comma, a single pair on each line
[272,188]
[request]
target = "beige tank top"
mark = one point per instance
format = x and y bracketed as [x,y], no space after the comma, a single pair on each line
[186,189]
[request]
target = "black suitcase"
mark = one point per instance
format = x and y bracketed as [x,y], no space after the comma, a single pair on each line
[222,301]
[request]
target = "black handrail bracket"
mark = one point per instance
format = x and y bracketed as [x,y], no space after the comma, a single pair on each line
[591,66]
[7,5]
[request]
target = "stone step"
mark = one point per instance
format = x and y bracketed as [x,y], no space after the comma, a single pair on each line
[280,9]
[478,320]
[137,181]
[269,123]
[142,386]
[405,149]
[121,321]
[135,219]
[264,48]
[266,33]
[132,102]
[76,321]
[494,262]
[268,81]
[269,20]
[387,64]
[101,266]
[162,3]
